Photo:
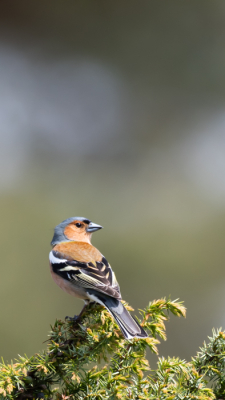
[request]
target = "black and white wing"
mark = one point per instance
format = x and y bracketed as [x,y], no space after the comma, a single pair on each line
[91,275]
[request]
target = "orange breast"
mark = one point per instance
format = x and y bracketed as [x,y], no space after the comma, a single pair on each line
[80,251]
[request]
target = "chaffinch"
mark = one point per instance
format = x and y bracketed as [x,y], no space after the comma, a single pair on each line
[81,270]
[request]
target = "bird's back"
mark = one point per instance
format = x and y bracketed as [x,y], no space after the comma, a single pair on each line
[80,251]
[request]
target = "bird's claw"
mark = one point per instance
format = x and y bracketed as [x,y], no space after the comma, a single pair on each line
[74,319]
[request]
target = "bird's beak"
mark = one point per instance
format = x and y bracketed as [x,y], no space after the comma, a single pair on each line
[93,227]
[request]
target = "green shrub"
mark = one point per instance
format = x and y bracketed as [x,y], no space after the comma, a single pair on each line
[92,361]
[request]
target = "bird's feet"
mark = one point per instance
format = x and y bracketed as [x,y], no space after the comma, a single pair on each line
[77,318]
[74,319]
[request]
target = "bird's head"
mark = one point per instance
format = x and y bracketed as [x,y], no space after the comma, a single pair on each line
[75,228]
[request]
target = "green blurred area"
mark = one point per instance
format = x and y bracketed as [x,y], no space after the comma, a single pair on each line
[155,181]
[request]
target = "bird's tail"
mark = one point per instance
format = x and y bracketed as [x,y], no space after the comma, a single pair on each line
[127,324]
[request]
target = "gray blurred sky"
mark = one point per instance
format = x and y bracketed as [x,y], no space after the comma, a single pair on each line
[145,83]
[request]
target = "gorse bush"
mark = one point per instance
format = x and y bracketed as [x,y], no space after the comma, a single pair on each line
[91,360]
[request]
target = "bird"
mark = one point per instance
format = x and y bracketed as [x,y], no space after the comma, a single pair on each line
[79,269]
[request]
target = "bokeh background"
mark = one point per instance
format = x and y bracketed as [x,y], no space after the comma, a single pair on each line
[114,111]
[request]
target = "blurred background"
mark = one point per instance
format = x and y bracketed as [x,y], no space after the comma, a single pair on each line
[114,111]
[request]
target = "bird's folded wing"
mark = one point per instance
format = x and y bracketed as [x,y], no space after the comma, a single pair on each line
[96,275]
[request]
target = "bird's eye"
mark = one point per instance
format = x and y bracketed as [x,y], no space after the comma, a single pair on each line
[78,224]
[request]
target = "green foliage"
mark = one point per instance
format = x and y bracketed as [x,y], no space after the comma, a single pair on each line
[68,370]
